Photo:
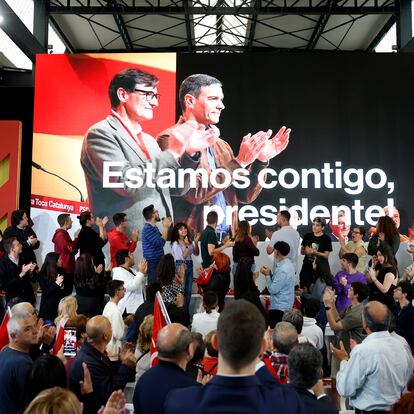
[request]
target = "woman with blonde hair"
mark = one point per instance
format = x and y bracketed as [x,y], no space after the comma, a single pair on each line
[67,309]
[55,400]
[144,346]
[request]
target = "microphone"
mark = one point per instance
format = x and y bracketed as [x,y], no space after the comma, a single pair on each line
[39,167]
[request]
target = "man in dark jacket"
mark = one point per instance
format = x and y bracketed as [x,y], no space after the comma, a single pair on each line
[175,349]
[16,277]
[104,380]
[305,369]
[24,234]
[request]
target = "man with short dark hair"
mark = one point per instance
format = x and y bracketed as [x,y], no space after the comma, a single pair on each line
[201,100]
[175,349]
[235,387]
[347,324]
[15,361]
[344,278]
[67,249]
[305,375]
[118,239]
[404,311]
[24,233]
[132,279]
[116,292]
[287,234]
[153,241]
[208,240]
[376,372]
[104,380]
[280,283]
[119,138]
[15,276]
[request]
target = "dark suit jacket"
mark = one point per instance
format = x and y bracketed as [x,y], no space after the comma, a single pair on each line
[104,380]
[312,404]
[244,395]
[155,384]
[14,285]
[27,255]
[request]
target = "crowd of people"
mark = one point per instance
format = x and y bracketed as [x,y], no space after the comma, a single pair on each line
[245,350]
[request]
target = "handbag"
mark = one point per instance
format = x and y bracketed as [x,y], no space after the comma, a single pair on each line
[205,275]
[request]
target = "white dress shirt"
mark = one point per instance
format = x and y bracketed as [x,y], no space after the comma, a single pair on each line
[133,283]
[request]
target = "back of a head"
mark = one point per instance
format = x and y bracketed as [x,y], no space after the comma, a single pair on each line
[199,348]
[95,328]
[47,372]
[55,400]
[240,330]
[282,247]
[210,300]
[208,341]
[285,215]
[79,322]
[311,308]
[305,365]
[212,217]
[285,337]
[121,256]
[222,262]
[172,341]
[295,318]
[360,289]
[17,217]
[376,316]
[145,334]
[351,258]
[165,270]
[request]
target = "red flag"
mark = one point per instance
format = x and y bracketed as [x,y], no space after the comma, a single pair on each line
[4,336]
[161,319]
[59,340]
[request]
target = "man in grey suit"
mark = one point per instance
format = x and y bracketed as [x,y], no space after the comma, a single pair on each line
[119,139]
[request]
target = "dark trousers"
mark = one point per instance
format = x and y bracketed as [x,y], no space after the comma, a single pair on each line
[152,268]
[371,412]
[275,316]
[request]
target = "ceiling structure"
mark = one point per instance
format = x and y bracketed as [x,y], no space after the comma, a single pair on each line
[197,26]
[222,25]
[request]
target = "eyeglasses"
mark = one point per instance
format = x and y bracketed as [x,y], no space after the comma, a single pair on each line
[355,232]
[150,95]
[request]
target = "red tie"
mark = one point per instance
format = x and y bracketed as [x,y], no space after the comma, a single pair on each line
[141,145]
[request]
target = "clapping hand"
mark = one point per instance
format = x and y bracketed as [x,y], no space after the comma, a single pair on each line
[275,145]
[115,404]
[143,266]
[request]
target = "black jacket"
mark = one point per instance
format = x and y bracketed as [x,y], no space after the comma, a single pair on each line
[104,380]
[312,405]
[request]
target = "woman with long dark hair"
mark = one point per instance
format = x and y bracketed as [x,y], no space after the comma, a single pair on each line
[386,236]
[171,282]
[183,249]
[51,281]
[244,245]
[90,282]
[383,277]
[244,283]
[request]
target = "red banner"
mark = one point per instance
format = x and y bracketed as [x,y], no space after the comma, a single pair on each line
[58,204]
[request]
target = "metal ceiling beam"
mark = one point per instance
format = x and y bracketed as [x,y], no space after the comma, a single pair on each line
[384,30]
[120,24]
[320,27]
[19,33]
[40,23]
[253,24]
[404,24]
[188,25]
[228,10]
[69,47]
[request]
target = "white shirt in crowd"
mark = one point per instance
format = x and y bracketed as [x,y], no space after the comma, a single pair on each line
[291,236]
[205,322]
[111,311]
[134,283]
[312,331]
